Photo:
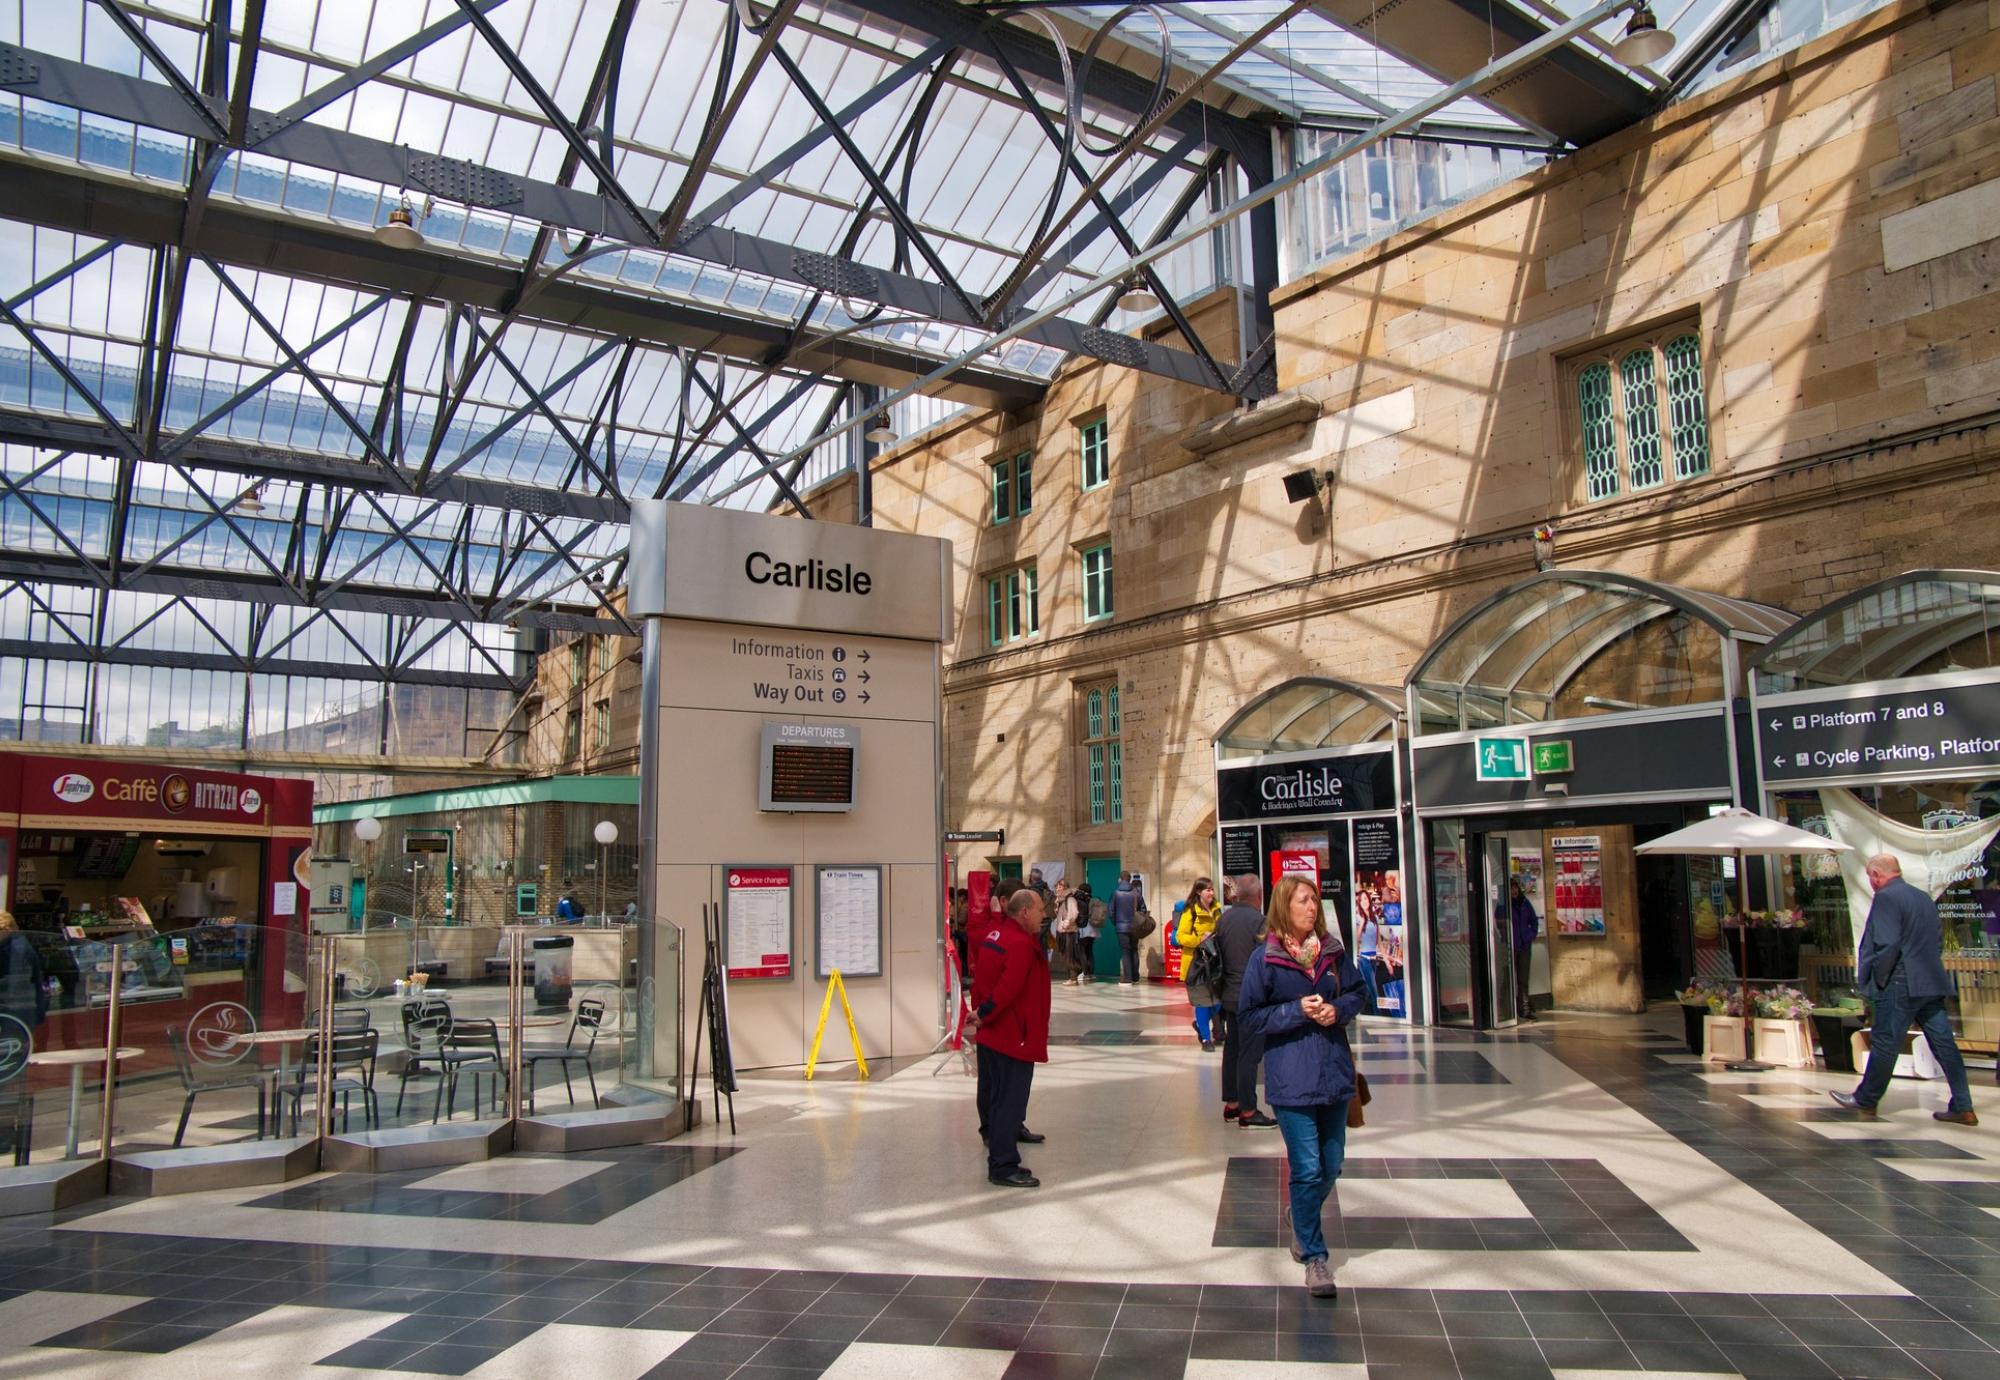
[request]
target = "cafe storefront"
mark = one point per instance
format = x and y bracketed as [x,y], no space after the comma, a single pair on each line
[1554,727]
[1877,723]
[1308,780]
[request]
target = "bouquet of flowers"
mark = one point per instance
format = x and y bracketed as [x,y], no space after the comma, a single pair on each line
[1699,992]
[1726,1001]
[1783,1004]
[1768,920]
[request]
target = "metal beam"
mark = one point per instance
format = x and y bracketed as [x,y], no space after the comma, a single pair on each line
[109,206]
[200,583]
[118,96]
[32,650]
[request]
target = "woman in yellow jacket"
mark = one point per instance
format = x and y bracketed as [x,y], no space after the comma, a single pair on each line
[1196,922]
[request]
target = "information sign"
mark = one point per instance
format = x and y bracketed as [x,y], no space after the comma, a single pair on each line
[807,768]
[1577,864]
[848,923]
[1501,759]
[1946,730]
[757,914]
[1239,851]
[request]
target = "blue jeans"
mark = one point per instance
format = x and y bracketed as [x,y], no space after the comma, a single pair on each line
[1202,1016]
[1895,1013]
[1128,944]
[1316,1145]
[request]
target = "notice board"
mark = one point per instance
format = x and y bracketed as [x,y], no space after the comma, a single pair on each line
[848,923]
[757,922]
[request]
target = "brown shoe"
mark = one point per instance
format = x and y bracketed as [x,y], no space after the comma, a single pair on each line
[1965,1118]
[1319,1280]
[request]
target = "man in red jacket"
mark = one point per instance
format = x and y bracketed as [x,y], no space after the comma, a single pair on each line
[1010,997]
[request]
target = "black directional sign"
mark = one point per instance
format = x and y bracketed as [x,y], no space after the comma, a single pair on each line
[1947,730]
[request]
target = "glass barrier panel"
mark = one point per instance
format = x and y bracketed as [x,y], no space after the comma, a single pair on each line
[52,1039]
[192,1000]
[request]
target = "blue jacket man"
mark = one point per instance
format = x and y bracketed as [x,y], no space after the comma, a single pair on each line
[1901,966]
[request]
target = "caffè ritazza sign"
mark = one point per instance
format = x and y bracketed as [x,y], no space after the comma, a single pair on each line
[1328,786]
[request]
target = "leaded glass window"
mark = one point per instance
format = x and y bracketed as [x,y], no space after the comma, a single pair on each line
[1687,409]
[1642,419]
[1104,755]
[1600,435]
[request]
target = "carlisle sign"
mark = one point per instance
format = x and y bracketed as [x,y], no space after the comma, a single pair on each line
[1332,785]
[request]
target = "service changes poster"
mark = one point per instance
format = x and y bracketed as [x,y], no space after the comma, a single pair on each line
[757,909]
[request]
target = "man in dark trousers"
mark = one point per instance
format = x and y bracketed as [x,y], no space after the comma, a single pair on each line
[1238,934]
[1526,925]
[1010,998]
[1124,915]
[1901,965]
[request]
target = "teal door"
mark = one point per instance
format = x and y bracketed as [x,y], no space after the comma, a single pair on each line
[1101,876]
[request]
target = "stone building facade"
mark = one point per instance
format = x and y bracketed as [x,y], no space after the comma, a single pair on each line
[1811,242]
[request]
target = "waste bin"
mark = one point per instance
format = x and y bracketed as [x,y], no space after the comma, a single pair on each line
[552,968]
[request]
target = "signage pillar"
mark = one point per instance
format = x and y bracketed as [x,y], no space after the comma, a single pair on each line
[790,769]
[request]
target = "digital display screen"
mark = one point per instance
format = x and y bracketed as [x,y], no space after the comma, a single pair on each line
[807,767]
[803,774]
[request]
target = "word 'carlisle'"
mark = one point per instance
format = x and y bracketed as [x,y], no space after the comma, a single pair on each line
[811,574]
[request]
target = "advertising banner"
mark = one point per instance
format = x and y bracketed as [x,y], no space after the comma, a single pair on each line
[1378,913]
[1298,789]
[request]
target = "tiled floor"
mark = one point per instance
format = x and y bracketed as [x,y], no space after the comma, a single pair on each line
[1569,1202]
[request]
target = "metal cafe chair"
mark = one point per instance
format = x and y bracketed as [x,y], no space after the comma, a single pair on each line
[351,1056]
[590,1017]
[428,1031]
[477,1043]
[349,1020]
[198,1078]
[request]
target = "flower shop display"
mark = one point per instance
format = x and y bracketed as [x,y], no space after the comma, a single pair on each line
[1769,942]
[1834,1026]
[1723,1040]
[1694,1000]
[1780,1030]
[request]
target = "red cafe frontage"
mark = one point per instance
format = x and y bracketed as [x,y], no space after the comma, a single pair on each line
[199,878]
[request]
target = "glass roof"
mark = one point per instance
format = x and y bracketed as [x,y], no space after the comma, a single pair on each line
[1925,622]
[215,370]
[1310,713]
[1573,643]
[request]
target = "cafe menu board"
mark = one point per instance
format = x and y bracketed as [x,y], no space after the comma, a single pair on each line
[849,927]
[757,918]
[1576,871]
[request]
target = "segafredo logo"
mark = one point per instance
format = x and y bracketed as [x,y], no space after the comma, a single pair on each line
[1306,786]
[74,787]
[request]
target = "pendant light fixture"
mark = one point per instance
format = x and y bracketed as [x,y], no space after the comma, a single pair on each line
[880,432]
[1645,42]
[400,231]
[1136,296]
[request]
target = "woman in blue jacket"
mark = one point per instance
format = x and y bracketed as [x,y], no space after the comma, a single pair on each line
[1301,992]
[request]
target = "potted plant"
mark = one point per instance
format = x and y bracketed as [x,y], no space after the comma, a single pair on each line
[1834,1024]
[1780,1031]
[1768,942]
[1694,1000]
[1723,1036]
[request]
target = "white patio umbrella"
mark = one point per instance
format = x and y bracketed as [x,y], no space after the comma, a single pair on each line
[1740,832]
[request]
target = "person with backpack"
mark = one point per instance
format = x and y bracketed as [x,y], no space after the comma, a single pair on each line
[1065,928]
[1194,922]
[1089,924]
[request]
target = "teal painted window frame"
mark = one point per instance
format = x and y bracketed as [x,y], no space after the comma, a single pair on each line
[1094,452]
[1099,592]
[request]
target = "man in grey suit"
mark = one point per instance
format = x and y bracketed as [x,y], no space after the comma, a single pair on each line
[1901,966]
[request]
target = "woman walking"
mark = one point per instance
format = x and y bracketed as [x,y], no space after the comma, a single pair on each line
[1195,923]
[1086,933]
[1301,992]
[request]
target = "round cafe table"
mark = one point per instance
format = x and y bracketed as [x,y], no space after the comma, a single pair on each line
[76,1061]
[284,1040]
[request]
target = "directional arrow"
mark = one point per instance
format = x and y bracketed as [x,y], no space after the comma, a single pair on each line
[1777,761]
[865,697]
[865,656]
[865,677]
[1777,724]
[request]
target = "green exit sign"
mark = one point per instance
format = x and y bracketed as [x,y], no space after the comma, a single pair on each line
[1554,757]
[1502,759]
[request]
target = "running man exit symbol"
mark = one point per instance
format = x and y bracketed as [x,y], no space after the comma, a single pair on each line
[1502,759]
